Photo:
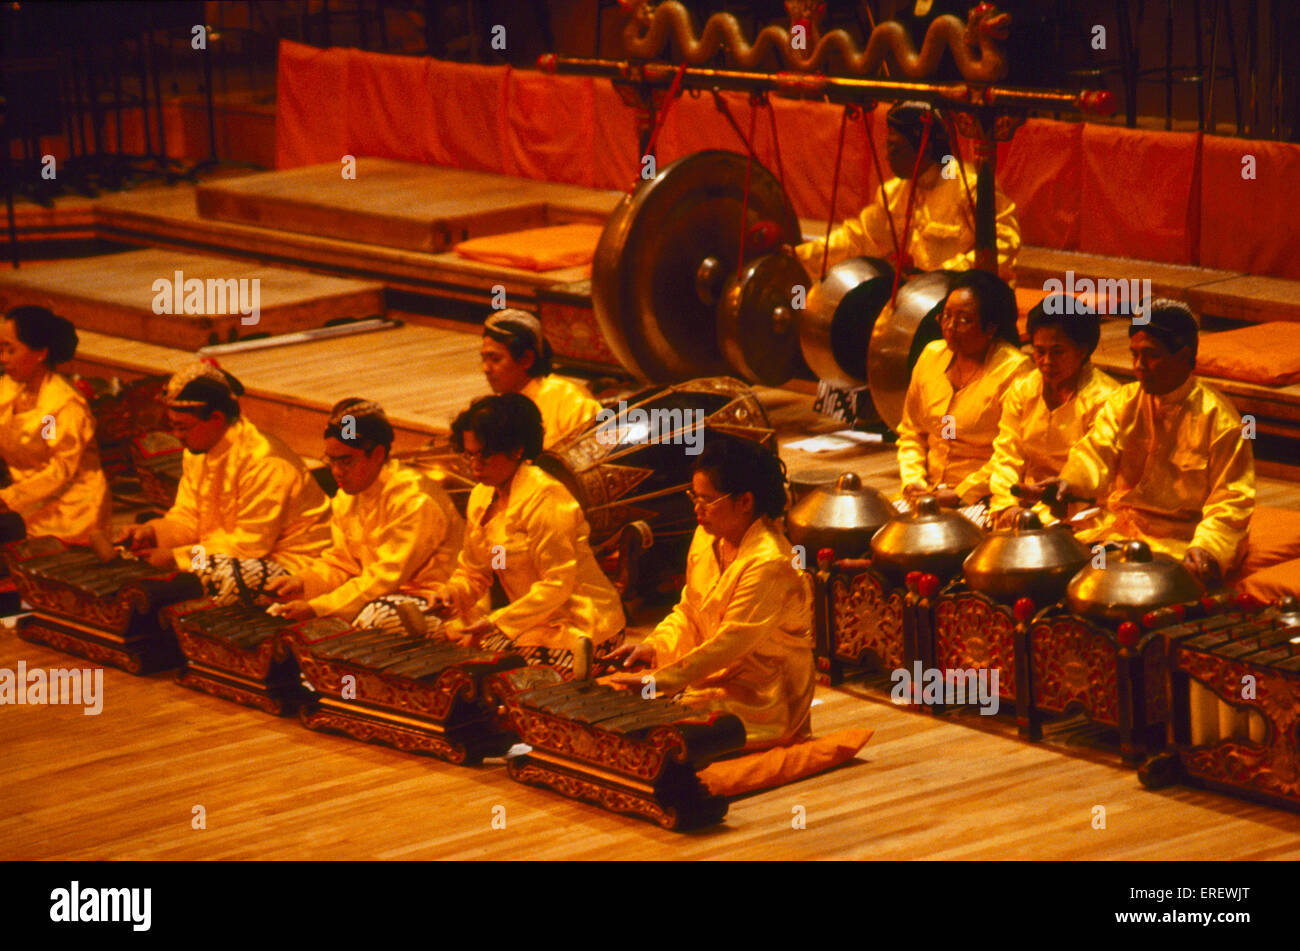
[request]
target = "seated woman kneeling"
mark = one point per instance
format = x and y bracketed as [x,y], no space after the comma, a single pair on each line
[525,528]
[740,639]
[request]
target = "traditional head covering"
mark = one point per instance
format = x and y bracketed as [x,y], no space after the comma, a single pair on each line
[201,385]
[908,119]
[511,321]
[1171,322]
[369,422]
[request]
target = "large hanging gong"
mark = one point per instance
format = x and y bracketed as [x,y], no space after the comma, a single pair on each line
[900,334]
[654,295]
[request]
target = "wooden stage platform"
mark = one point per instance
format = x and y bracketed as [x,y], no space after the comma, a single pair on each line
[124,784]
[119,294]
[169,218]
[400,204]
[422,375]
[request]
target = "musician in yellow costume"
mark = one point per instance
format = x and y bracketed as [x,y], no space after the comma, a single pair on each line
[47,435]
[740,638]
[1045,412]
[954,400]
[394,532]
[942,233]
[525,529]
[247,509]
[1166,456]
[517,359]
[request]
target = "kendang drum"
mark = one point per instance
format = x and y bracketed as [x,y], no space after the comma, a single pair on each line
[631,468]
[615,749]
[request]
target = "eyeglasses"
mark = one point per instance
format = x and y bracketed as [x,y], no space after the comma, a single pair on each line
[962,322]
[707,504]
[482,455]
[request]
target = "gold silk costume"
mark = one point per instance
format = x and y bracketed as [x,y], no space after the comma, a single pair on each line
[740,639]
[969,417]
[58,487]
[400,535]
[1172,470]
[537,546]
[1034,440]
[565,407]
[942,236]
[249,496]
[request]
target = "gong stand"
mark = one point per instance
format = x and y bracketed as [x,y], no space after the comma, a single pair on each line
[985,113]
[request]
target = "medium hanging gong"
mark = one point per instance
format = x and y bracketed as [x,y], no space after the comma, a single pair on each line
[665,255]
[758,330]
[901,332]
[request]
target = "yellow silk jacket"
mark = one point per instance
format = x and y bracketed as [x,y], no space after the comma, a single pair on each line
[1034,441]
[249,496]
[740,640]
[565,407]
[538,548]
[400,535]
[1171,470]
[924,455]
[58,487]
[943,227]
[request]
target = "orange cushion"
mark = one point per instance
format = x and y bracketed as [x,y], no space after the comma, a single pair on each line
[536,249]
[1261,353]
[782,764]
[1026,298]
[1274,537]
[1273,583]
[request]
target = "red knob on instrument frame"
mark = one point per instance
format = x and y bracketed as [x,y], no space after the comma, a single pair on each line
[1209,604]
[1180,612]
[912,580]
[928,585]
[825,556]
[1246,602]
[1151,619]
[1128,634]
[1023,609]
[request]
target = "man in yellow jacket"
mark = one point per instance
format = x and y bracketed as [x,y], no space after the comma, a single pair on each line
[247,509]
[394,532]
[942,235]
[1166,456]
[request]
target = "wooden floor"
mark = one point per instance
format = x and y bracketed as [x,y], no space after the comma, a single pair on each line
[124,785]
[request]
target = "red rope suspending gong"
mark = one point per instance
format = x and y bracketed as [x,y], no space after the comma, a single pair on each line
[744,206]
[951,127]
[776,141]
[880,177]
[673,91]
[911,200]
[835,187]
[721,105]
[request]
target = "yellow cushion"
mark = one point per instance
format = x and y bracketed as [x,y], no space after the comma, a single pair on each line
[1261,353]
[782,764]
[536,249]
